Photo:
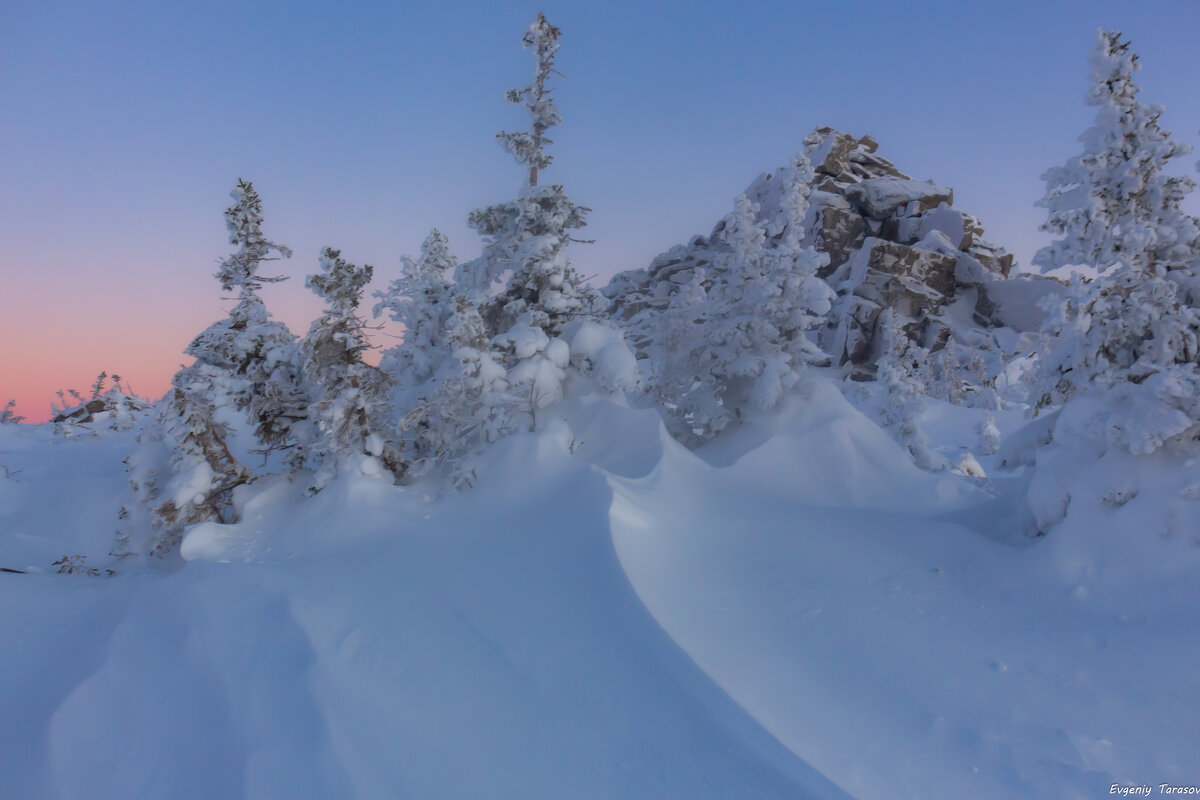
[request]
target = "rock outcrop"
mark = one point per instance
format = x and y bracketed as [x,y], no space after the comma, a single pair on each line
[892,241]
[114,408]
[85,412]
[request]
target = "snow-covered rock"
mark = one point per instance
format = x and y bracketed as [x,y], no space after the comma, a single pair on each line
[883,197]
[891,242]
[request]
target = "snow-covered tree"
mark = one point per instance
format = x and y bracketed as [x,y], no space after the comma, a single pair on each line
[962,377]
[469,404]
[525,253]
[1131,331]
[529,147]
[182,471]
[1135,340]
[536,364]
[347,415]
[989,434]
[741,341]
[251,360]
[203,471]
[776,297]
[421,300]
[1114,204]
[683,379]
[527,238]
[902,373]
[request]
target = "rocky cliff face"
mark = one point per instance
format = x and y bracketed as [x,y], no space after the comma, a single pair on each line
[892,242]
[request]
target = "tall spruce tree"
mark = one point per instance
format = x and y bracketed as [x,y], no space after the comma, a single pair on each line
[1130,331]
[525,250]
[527,238]
[184,470]
[1113,205]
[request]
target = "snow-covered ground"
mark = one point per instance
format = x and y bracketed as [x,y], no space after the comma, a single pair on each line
[793,611]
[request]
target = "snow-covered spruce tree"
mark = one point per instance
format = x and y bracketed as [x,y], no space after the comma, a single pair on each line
[348,414]
[1130,332]
[683,381]
[183,470]
[902,373]
[962,377]
[469,405]
[528,236]
[1114,204]
[252,360]
[203,471]
[422,301]
[749,341]
[989,434]
[526,242]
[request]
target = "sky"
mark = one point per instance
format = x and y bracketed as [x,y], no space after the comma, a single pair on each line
[124,126]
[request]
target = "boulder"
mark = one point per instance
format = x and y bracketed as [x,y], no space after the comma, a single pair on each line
[838,228]
[883,197]
[85,412]
[856,331]
[932,270]
[831,155]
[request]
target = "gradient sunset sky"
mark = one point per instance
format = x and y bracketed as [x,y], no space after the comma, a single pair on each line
[124,125]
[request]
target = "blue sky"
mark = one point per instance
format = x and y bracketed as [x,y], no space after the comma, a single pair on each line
[124,126]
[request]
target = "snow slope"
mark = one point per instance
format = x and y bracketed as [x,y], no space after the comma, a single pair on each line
[369,644]
[905,656]
[794,611]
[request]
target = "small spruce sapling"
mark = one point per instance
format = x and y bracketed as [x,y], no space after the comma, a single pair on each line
[901,372]
[8,415]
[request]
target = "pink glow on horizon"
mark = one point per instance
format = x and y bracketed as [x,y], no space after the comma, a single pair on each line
[82,330]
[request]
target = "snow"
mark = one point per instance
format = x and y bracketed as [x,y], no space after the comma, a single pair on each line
[366,643]
[882,196]
[794,610]
[667,547]
[601,353]
[906,656]
[949,222]
[1019,300]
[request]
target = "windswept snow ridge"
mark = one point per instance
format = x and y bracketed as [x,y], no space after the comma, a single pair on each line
[378,646]
[786,613]
[903,656]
